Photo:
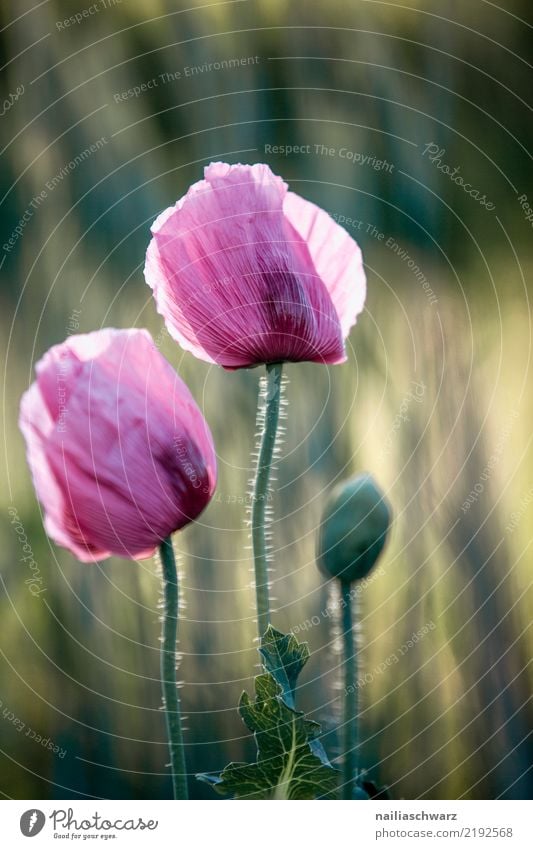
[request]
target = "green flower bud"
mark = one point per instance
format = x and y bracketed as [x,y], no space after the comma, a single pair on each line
[354,529]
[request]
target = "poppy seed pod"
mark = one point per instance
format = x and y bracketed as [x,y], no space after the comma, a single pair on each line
[354,529]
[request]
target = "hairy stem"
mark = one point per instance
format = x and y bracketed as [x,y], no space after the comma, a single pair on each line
[171,699]
[260,494]
[351,741]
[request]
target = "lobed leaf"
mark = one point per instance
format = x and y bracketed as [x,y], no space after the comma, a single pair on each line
[291,762]
[284,657]
[286,767]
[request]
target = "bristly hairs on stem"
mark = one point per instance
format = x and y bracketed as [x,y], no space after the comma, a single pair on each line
[336,660]
[168,668]
[182,599]
[263,400]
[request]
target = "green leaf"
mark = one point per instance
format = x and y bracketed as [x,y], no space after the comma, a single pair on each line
[291,761]
[284,657]
[286,767]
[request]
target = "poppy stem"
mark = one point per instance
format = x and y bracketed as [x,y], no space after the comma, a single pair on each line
[260,493]
[351,742]
[171,701]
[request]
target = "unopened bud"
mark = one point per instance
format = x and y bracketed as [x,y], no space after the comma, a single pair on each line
[354,529]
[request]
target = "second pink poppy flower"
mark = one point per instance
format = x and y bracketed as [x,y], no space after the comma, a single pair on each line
[245,272]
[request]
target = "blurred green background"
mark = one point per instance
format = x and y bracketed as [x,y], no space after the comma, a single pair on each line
[435,398]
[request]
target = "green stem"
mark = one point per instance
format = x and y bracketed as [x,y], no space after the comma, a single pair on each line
[260,494]
[171,699]
[351,742]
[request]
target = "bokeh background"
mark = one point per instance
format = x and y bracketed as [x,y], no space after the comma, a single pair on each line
[435,399]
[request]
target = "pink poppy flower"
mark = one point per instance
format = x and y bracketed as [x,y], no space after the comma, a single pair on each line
[119,452]
[245,272]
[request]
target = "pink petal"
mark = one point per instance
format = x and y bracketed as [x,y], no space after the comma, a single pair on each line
[36,425]
[129,460]
[335,255]
[234,280]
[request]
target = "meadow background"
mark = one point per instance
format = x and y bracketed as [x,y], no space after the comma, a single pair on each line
[435,399]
